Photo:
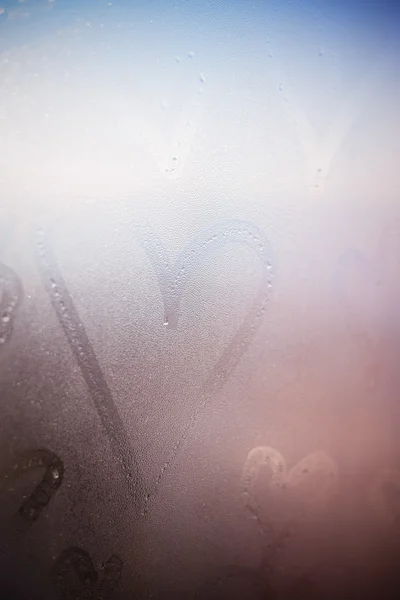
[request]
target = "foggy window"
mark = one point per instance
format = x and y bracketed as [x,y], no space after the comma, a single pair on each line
[199,299]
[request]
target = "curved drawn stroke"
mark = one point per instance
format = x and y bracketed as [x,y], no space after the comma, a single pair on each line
[90,369]
[172,279]
[10,293]
[31,507]
[74,576]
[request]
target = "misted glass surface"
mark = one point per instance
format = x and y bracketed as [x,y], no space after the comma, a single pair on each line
[199,299]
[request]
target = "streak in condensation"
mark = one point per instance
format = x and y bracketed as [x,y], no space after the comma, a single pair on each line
[91,371]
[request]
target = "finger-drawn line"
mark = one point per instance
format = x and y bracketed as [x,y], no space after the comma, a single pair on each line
[255,459]
[32,506]
[74,576]
[92,374]
[11,293]
[172,280]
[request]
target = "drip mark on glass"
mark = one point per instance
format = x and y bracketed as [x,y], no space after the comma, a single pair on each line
[90,369]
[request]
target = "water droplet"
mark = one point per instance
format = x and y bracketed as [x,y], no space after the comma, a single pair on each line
[166,322]
[190,54]
[6,319]
[280,87]
[202,77]
[178,59]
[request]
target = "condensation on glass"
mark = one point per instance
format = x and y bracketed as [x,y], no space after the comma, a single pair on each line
[199,299]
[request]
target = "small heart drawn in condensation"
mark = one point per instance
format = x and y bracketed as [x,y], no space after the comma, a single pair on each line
[276,496]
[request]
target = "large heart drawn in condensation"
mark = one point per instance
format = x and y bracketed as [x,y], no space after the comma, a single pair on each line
[172,280]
